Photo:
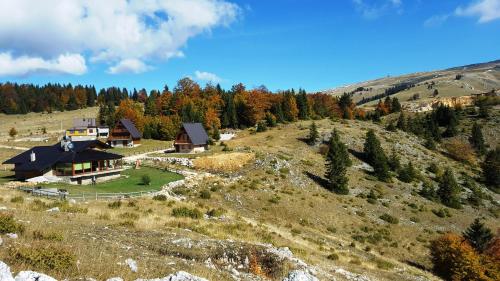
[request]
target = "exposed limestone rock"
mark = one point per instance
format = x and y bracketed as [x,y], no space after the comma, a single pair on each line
[33,276]
[178,276]
[299,275]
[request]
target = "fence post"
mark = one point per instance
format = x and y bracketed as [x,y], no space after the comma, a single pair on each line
[83,196]
[96,196]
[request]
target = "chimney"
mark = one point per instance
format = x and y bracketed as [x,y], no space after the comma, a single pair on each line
[32,156]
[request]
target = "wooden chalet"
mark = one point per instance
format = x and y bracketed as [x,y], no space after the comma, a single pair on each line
[81,162]
[124,134]
[191,138]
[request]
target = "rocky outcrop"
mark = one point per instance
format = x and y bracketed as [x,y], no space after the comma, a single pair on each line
[178,276]
[299,275]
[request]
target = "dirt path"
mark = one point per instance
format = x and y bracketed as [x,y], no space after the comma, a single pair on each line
[133,158]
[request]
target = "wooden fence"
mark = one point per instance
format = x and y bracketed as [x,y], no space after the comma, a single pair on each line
[84,195]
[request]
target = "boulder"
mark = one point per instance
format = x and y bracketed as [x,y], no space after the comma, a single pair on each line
[5,274]
[178,276]
[11,235]
[53,210]
[132,264]
[299,275]
[115,279]
[33,276]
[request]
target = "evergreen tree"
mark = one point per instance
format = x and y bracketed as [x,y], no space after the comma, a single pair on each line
[215,133]
[376,157]
[401,124]
[337,161]
[313,134]
[302,105]
[394,163]
[478,235]
[428,191]
[408,173]
[491,169]
[449,191]
[270,119]
[477,139]
[395,106]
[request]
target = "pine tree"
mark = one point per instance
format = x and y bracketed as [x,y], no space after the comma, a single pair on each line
[478,235]
[449,191]
[408,173]
[395,106]
[376,157]
[337,161]
[215,133]
[302,105]
[394,163]
[313,134]
[401,124]
[491,168]
[477,139]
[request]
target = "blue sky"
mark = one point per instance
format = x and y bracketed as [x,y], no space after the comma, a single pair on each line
[282,44]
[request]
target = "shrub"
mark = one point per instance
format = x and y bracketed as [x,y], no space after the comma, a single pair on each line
[9,225]
[460,151]
[332,229]
[17,199]
[390,219]
[51,236]
[333,257]
[383,264]
[42,257]
[129,216]
[115,204]
[127,223]
[216,212]
[160,197]
[146,180]
[442,213]
[205,194]
[187,213]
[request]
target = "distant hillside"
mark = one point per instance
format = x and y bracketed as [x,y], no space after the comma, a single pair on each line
[420,86]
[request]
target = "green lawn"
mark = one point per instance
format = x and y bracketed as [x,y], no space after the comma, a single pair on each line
[132,183]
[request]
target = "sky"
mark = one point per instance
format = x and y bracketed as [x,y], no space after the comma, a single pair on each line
[282,44]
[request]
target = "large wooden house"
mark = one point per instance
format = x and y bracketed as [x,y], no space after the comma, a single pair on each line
[124,134]
[191,138]
[81,162]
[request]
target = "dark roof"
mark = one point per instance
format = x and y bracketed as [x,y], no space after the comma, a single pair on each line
[131,128]
[47,156]
[196,133]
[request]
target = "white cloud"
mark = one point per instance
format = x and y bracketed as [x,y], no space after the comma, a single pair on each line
[111,31]
[486,10]
[207,76]
[25,65]
[129,65]
[376,10]
[436,20]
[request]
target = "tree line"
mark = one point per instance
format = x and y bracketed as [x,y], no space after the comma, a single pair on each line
[160,113]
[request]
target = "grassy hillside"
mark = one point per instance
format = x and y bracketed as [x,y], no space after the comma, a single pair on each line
[475,79]
[275,196]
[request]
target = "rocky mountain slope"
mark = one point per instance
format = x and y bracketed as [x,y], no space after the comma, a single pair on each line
[452,82]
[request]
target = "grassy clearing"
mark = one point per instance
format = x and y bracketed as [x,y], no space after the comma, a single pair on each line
[131,181]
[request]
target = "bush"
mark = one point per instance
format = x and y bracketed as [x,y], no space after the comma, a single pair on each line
[146,180]
[441,213]
[333,257]
[43,257]
[17,199]
[187,213]
[205,194]
[160,197]
[460,151]
[115,204]
[383,264]
[216,212]
[129,216]
[390,219]
[50,236]
[9,225]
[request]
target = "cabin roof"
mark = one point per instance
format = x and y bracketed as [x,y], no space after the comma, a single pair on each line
[131,128]
[47,156]
[196,133]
